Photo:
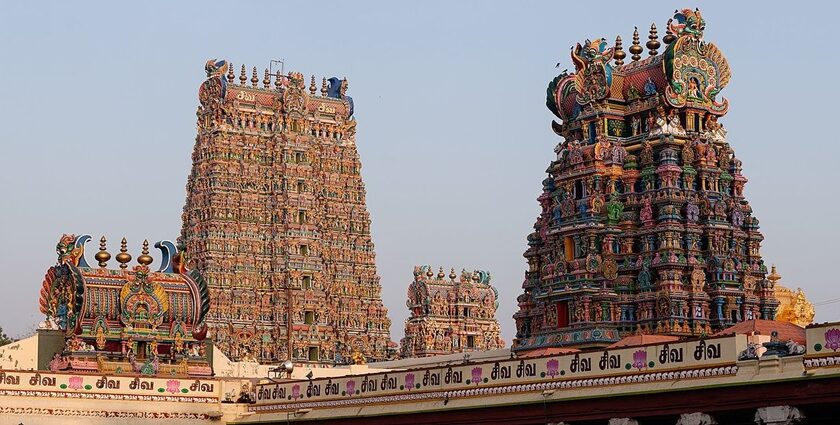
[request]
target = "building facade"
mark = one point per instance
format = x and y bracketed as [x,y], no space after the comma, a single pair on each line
[644,226]
[275,219]
[449,315]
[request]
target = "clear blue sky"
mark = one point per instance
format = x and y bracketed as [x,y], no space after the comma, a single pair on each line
[98,123]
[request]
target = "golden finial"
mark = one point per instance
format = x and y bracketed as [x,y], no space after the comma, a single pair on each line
[452,274]
[653,42]
[266,79]
[773,277]
[619,54]
[230,74]
[324,87]
[102,256]
[254,78]
[636,49]
[441,274]
[144,258]
[278,80]
[312,87]
[669,36]
[123,257]
[243,77]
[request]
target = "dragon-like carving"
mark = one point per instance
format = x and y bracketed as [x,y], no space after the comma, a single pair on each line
[697,71]
[593,72]
[214,88]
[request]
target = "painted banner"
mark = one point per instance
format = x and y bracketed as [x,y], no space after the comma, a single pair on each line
[822,340]
[70,385]
[662,357]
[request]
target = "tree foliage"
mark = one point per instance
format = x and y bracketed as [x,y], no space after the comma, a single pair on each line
[5,339]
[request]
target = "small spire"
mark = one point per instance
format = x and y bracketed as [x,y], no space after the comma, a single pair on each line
[619,54]
[102,256]
[452,274]
[123,257]
[669,36]
[254,78]
[324,87]
[243,76]
[773,276]
[266,80]
[636,49]
[145,259]
[230,74]
[653,42]
[312,86]
[278,80]
[441,274]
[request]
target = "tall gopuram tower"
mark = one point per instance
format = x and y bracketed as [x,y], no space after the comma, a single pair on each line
[450,316]
[276,220]
[644,227]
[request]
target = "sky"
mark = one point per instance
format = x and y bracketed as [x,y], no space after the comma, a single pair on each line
[97,123]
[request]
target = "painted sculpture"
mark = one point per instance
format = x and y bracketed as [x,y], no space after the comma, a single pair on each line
[450,316]
[644,225]
[126,321]
[276,221]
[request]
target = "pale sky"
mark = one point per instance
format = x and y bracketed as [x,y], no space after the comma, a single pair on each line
[97,123]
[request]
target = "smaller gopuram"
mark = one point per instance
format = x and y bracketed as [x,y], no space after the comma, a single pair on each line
[449,315]
[126,320]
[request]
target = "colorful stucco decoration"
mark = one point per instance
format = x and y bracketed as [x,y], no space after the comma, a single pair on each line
[644,225]
[275,219]
[449,315]
[697,71]
[125,321]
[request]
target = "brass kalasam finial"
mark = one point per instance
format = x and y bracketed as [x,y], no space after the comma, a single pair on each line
[619,54]
[653,42]
[441,274]
[243,76]
[230,74]
[452,274]
[278,80]
[123,257]
[773,277]
[144,258]
[266,80]
[254,78]
[669,36]
[324,87]
[636,48]
[102,256]
[312,87]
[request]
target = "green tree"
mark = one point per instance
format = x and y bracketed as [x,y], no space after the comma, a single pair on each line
[4,339]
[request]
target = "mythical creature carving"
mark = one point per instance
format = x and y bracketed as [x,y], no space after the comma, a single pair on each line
[593,74]
[697,71]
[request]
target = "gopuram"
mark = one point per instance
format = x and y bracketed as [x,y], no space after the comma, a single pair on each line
[125,321]
[644,227]
[276,221]
[450,316]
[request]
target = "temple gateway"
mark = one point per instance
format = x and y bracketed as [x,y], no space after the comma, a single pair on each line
[644,226]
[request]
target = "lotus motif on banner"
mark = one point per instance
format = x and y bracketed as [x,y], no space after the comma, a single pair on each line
[640,359]
[832,339]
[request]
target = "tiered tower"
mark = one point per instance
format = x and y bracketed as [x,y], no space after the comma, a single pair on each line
[644,226]
[449,316]
[276,220]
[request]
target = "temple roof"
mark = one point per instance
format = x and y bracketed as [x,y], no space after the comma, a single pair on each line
[637,340]
[787,331]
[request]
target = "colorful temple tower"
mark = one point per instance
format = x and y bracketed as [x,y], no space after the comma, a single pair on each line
[126,321]
[644,227]
[449,316]
[276,221]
